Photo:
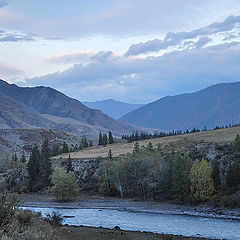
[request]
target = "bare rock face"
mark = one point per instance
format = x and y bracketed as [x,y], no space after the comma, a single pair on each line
[87,171]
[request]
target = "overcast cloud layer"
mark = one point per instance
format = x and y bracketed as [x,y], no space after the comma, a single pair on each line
[130,50]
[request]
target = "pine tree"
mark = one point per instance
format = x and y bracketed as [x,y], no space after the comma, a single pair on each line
[110,156]
[65,148]
[69,164]
[55,150]
[14,157]
[23,157]
[33,167]
[105,139]
[136,148]
[100,139]
[45,164]
[236,147]
[90,143]
[150,147]
[215,175]
[180,177]
[110,138]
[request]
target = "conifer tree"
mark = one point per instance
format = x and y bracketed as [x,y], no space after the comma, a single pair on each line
[65,148]
[110,156]
[90,143]
[136,148]
[45,164]
[23,157]
[105,139]
[180,176]
[33,167]
[110,138]
[69,164]
[215,175]
[14,157]
[100,139]
[236,147]
[150,147]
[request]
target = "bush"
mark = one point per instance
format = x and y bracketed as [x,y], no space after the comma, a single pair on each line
[65,185]
[8,207]
[54,218]
[24,216]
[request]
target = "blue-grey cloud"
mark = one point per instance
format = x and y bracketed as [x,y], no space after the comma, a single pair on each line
[147,79]
[15,37]
[202,42]
[173,39]
[3,3]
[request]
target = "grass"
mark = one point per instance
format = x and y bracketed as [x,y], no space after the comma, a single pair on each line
[179,142]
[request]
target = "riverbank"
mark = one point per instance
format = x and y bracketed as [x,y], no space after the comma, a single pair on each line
[97,202]
[94,233]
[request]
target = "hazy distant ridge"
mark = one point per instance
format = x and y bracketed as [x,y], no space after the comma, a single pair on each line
[112,108]
[216,105]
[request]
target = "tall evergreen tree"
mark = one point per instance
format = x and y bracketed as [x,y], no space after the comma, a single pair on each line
[236,146]
[14,157]
[215,175]
[180,177]
[45,164]
[105,139]
[33,167]
[136,148]
[100,139]
[110,138]
[23,158]
[55,150]
[150,147]
[65,148]
[69,164]
[110,156]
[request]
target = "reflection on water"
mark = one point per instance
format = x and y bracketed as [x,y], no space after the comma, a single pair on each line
[150,222]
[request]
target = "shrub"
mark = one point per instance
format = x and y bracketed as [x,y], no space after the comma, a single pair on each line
[8,207]
[24,216]
[65,185]
[54,218]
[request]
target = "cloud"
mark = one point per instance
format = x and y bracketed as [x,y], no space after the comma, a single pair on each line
[147,79]
[3,3]
[202,42]
[15,37]
[9,73]
[172,39]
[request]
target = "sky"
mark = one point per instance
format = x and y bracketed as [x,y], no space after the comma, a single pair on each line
[134,51]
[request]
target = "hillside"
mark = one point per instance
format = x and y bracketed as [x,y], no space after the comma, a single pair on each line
[180,142]
[112,108]
[19,140]
[55,108]
[216,105]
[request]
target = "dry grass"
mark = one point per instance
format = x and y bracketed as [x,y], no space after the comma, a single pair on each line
[177,142]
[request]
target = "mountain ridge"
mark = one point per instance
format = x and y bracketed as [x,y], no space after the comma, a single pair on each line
[113,108]
[217,104]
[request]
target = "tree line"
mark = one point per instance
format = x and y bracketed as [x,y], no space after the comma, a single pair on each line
[136,136]
[149,173]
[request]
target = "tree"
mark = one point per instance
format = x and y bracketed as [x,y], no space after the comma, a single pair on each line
[150,147]
[33,167]
[69,164]
[180,177]
[202,187]
[110,138]
[65,148]
[55,150]
[236,146]
[100,139]
[105,139]
[45,164]
[23,158]
[136,148]
[90,143]
[215,175]
[65,185]
[110,154]
[233,177]
[14,157]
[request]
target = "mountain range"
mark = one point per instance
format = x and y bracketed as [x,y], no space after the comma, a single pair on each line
[216,105]
[44,107]
[113,108]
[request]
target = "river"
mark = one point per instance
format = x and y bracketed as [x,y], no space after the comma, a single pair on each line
[150,222]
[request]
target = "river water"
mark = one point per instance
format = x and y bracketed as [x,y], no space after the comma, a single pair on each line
[150,222]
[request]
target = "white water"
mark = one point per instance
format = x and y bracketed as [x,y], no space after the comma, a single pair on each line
[150,222]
